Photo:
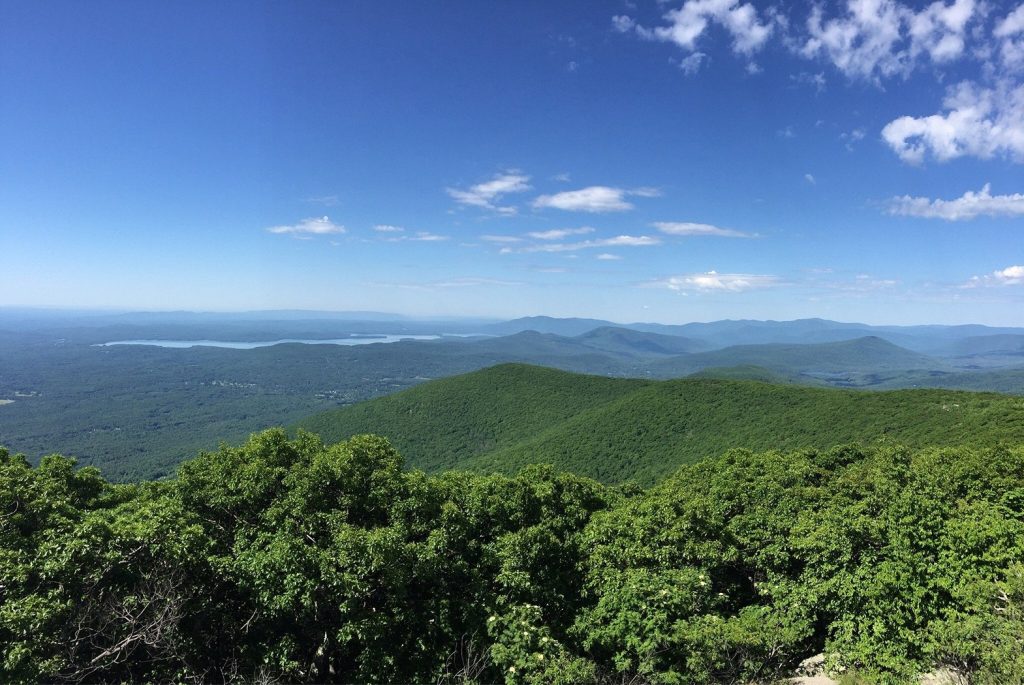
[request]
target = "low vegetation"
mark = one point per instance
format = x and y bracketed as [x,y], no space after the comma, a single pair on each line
[288,560]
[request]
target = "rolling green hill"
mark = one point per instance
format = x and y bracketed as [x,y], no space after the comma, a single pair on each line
[449,421]
[502,418]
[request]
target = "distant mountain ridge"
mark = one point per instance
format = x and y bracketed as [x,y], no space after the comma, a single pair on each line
[866,354]
[728,332]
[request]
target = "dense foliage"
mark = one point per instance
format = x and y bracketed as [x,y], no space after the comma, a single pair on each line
[506,417]
[291,560]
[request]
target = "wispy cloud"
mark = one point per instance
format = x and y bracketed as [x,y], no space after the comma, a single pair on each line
[451,283]
[684,228]
[1011,275]
[712,281]
[852,137]
[816,81]
[560,233]
[501,238]
[617,241]
[325,200]
[692,63]
[863,283]
[400,236]
[309,227]
[970,205]
[608,257]
[472,282]
[594,199]
[388,228]
[810,179]
[428,237]
[486,195]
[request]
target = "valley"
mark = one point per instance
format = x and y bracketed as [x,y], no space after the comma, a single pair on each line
[136,411]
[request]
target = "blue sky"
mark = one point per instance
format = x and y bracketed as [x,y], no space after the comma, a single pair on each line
[659,161]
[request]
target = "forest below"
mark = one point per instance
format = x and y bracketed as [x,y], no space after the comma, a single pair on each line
[290,560]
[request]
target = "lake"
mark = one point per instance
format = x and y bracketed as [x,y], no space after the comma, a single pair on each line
[367,339]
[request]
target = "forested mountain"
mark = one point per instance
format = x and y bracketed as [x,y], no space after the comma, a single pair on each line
[502,418]
[986,345]
[628,341]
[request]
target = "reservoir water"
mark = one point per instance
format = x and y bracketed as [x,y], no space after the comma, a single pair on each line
[248,345]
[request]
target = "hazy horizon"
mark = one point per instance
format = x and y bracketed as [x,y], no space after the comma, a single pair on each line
[354,315]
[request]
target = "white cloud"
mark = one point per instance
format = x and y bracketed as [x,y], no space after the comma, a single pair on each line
[560,233]
[939,28]
[593,199]
[864,283]
[308,227]
[1010,32]
[885,38]
[979,122]
[1011,275]
[817,81]
[1011,24]
[617,241]
[810,179]
[419,236]
[713,281]
[487,194]
[608,257]
[387,228]
[623,24]
[684,228]
[692,63]
[968,206]
[501,239]
[428,237]
[854,136]
[689,22]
